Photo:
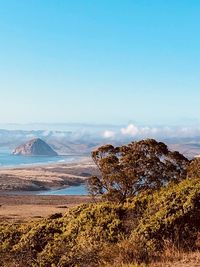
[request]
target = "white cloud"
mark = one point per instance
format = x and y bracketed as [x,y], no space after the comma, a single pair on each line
[46,133]
[109,134]
[130,130]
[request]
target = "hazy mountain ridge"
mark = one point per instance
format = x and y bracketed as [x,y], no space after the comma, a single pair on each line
[84,141]
[64,142]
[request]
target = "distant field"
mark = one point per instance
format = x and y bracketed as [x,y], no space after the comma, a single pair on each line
[17,208]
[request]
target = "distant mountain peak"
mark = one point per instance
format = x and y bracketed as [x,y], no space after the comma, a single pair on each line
[35,147]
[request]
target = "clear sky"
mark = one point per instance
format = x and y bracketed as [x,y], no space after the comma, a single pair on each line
[100,61]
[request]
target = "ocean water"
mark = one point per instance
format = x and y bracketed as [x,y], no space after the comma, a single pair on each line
[9,160]
[72,190]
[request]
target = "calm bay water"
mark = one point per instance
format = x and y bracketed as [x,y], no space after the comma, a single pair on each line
[72,190]
[9,160]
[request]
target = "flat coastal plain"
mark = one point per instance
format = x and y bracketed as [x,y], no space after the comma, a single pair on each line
[45,177]
[18,188]
[19,208]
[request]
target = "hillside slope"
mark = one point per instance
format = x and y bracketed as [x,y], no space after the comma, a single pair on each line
[105,233]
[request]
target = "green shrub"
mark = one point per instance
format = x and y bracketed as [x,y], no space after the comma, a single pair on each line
[106,233]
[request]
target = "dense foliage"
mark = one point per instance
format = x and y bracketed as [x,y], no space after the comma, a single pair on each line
[155,204]
[136,167]
[105,234]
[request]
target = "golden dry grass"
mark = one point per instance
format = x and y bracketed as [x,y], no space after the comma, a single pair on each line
[27,207]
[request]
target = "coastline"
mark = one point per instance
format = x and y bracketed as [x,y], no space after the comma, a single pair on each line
[77,158]
[17,204]
[48,192]
[45,177]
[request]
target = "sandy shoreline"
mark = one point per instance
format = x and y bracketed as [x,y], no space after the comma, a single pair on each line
[46,177]
[78,160]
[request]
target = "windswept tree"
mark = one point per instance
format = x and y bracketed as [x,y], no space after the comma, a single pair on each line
[127,170]
[194,168]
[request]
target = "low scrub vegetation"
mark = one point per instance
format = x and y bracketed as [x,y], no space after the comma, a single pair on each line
[103,234]
[134,232]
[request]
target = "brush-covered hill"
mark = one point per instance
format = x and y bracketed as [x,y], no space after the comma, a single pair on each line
[108,234]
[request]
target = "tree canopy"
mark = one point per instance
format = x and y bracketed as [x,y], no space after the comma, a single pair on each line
[194,168]
[139,166]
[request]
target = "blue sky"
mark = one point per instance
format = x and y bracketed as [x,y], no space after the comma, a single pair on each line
[100,61]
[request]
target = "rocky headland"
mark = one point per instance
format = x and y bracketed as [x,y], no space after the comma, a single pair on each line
[35,147]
